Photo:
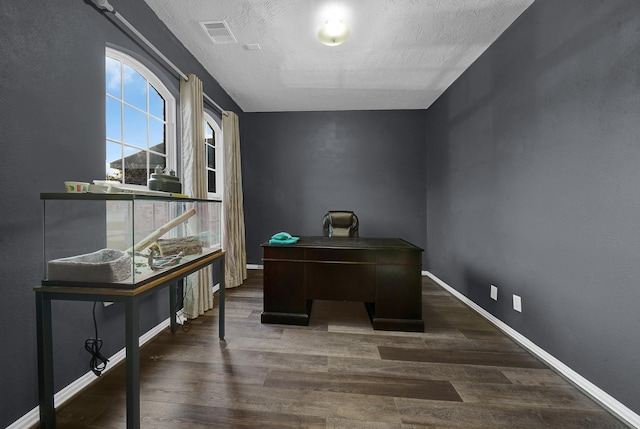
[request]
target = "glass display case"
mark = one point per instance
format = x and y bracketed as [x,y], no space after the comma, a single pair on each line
[124,240]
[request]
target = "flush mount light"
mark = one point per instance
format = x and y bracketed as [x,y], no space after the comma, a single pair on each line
[333,33]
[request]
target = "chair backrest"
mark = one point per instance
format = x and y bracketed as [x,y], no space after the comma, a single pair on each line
[340,224]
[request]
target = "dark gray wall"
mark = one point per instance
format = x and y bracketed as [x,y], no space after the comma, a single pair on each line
[298,165]
[533,177]
[52,128]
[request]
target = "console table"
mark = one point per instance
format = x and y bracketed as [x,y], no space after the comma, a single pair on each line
[384,273]
[131,298]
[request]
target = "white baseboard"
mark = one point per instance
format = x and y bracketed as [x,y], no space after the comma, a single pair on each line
[32,418]
[254,267]
[593,391]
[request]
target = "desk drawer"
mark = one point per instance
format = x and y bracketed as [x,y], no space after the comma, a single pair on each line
[399,258]
[283,287]
[283,253]
[339,255]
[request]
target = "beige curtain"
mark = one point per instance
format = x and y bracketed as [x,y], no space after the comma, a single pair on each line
[236,257]
[198,293]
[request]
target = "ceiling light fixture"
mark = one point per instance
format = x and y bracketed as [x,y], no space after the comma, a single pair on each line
[333,33]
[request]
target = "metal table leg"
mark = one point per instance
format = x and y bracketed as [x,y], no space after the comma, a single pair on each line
[222,299]
[45,361]
[173,290]
[133,363]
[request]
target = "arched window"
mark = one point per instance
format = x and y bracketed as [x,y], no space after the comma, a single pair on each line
[140,114]
[215,159]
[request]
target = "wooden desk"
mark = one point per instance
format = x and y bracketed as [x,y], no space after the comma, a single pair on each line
[384,273]
[131,298]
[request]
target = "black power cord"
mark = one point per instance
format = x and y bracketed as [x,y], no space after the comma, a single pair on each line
[98,362]
[186,323]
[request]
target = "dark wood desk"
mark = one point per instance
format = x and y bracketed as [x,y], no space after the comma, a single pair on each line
[384,273]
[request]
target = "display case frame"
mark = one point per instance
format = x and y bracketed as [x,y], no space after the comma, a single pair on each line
[83,225]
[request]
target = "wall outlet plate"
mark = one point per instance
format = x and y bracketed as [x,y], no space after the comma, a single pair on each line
[494,292]
[517,303]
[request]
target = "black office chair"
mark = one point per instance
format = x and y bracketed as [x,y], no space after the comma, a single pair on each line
[340,224]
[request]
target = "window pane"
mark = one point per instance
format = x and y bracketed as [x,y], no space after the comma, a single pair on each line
[208,133]
[211,182]
[211,157]
[135,88]
[114,119]
[156,136]
[135,127]
[156,103]
[114,161]
[135,166]
[113,79]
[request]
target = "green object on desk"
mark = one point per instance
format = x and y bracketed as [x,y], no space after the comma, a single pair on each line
[283,238]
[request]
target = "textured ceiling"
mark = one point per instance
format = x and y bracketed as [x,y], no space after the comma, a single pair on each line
[402,54]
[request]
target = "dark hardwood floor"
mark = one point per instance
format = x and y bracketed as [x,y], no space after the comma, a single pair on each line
[338,373]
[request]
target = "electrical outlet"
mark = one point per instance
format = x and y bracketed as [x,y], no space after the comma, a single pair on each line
[517,303]
[494,292]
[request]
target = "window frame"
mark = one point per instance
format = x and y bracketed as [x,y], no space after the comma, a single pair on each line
[170,107]
[219,154]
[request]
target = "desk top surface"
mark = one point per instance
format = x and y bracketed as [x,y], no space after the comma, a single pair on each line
[364,243]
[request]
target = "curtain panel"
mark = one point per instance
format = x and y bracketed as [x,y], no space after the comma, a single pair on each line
[198,292]
[236,257]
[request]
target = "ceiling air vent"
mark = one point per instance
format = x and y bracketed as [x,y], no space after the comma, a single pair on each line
[219,32]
